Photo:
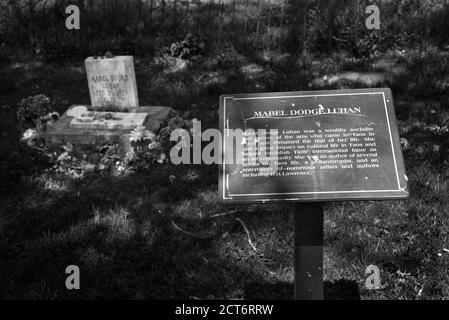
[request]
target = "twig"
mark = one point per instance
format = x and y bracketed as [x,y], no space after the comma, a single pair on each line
[183,231]
[247,232]
[342,209]
[377,247]
[222,214]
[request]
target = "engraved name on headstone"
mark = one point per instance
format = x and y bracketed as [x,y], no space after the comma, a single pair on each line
[112,82]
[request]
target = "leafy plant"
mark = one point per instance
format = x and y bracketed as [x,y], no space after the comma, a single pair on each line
[141,137]
[32,108]
[189,47]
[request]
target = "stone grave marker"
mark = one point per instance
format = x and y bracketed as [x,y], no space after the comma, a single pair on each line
[115,109]
[112,82]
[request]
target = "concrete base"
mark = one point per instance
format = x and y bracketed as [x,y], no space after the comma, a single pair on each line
[61,132]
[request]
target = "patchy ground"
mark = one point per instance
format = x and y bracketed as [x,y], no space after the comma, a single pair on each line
[160,232]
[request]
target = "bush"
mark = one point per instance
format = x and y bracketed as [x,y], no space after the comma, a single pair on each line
[189,47]
[426,76]
[32,108]
[226,56]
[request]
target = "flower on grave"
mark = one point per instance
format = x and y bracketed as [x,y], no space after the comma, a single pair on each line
[64,157]
[29,135]
[153,145]
[161,158]
[130,157]
[141,138]
[68,147]
[164,138]
[140,133]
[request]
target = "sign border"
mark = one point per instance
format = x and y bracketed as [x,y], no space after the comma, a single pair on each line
[224,125]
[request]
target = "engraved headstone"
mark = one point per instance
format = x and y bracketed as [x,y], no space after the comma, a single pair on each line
[112,82]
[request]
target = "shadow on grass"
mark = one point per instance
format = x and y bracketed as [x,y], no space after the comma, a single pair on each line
[120,232]
[341,289]
[333,290]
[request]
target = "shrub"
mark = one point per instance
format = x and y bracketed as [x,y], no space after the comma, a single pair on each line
[32,108]
[189,47]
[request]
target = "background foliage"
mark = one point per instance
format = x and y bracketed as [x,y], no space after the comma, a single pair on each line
[141,27]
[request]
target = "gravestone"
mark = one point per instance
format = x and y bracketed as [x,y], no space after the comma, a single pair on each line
[112,82]
[112,87]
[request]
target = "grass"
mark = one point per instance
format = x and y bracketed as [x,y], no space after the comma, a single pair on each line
[151,236]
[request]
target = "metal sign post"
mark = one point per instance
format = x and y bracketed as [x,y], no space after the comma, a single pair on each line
[332,145]
[308,220]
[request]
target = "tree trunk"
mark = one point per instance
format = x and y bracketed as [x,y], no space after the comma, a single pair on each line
[331,7]
[104,15]
[175,16]
[163,12]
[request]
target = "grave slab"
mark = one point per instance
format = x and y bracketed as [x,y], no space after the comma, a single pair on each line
[63,131]
[108,120]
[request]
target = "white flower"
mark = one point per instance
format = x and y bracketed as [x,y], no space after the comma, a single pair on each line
[153,145]
[404,143]
[30,134]
[141,133]
[162,158]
